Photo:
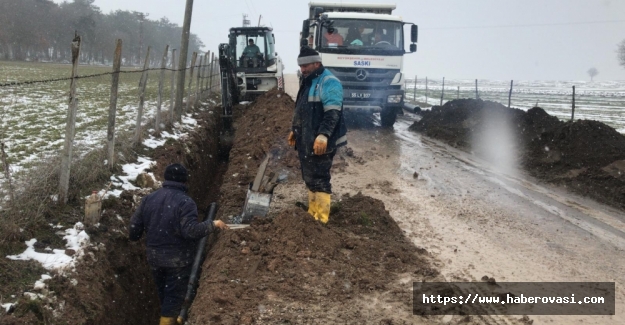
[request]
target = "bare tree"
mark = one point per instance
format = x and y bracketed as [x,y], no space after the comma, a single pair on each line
[592,72]
[620,53]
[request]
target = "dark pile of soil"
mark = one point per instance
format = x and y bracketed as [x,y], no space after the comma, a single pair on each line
[260,128]
[293,258]
[587,156]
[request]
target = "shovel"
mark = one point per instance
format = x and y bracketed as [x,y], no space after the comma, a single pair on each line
[259,194]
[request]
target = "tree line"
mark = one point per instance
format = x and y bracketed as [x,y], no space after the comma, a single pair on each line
[41,30]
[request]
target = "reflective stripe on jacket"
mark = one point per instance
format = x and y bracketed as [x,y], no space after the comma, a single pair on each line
[319,110]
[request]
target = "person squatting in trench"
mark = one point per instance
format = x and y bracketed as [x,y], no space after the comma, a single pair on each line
[169,218]
[318,129]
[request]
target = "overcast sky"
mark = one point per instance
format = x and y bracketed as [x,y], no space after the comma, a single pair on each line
[458,39]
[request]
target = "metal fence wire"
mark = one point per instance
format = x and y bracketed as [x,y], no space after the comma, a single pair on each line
[34,100]
[599,101]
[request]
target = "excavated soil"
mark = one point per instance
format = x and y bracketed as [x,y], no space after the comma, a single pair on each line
[255,275]
[260,128]
[585,156]
[287,268]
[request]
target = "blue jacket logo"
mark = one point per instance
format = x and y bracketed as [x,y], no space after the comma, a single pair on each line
[362,63]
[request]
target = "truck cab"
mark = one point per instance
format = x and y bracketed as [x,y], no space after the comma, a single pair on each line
[363,46]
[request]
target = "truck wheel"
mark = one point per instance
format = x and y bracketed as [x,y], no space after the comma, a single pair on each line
[388,117]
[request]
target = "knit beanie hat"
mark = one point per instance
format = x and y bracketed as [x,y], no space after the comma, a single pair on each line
[307,55]
[176,173]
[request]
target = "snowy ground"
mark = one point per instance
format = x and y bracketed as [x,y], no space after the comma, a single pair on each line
[33,116]
[601,101]
[57,261]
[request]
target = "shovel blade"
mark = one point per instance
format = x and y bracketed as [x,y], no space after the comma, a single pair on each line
[256,204]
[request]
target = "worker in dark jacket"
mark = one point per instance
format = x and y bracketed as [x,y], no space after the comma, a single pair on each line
[170,219]
[318,129]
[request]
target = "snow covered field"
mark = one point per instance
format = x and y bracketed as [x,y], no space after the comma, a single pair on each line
[602,101]
[33,116]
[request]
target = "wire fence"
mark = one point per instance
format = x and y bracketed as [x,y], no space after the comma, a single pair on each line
[35,99]
[600,101]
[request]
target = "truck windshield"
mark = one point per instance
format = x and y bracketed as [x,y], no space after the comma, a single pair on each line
[361,34]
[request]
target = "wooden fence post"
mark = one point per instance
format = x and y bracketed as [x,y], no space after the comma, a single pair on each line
[117,62]
[204,73]
[573,108]
[218,73]
[7,172]
[426,90]
[510,94]
[161,81]
[173,86]
[443,91]
[415,89]
[210,80]
[192,66]
[142,84]
[477,96]
[66,156]
[197,82]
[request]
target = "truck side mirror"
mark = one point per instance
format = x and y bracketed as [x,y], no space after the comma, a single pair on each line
[318,12]
[305,29]
[414,31]
[413,48]
[274,38]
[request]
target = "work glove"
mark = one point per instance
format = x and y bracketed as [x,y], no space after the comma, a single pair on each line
[321,144]
[291,139]
[220,224]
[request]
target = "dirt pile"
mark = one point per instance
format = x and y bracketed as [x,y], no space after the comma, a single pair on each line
[255,274]
[260,128]
[587,156]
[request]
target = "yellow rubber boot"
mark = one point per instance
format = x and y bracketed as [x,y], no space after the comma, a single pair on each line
[323,201]
[167,321]
[312,204]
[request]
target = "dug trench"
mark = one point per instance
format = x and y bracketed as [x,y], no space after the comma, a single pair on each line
[286,268]
[113,283]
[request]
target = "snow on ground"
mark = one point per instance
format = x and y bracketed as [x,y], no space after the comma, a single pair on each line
[57,260]
[77,240]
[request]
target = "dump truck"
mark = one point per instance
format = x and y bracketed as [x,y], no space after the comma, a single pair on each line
[363,46]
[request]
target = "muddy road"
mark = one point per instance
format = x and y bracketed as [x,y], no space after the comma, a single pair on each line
[481,222]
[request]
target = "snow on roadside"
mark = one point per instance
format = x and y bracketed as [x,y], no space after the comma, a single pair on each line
[77,240]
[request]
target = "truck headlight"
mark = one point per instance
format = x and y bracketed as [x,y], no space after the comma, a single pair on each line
[394,99]
[273,68]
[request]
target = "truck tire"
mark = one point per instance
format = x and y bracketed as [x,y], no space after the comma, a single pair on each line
[388,117]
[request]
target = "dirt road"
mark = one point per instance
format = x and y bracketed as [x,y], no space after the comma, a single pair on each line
[480,222]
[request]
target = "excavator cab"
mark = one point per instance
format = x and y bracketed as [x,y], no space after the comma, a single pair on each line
[249,67]
[253,49]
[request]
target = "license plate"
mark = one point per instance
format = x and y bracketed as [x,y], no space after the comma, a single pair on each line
[360,95]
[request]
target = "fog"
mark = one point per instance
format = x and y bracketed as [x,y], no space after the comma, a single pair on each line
[483,39]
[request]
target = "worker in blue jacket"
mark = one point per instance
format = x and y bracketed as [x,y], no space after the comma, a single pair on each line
[169,218]
[318,129]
